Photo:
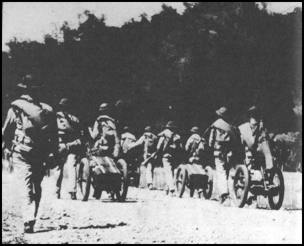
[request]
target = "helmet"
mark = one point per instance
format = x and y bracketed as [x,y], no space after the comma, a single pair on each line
[64,103]
[171,125]
[254,112]
[194,129]
[222,112]
[148,129]
[29,82]
[104,107]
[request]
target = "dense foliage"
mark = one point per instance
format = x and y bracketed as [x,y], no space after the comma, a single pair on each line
[178,66]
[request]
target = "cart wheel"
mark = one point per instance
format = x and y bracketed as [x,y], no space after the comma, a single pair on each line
[240,185]
[276,189]
[207,191]
[180,180]
[123,167]
[84,180]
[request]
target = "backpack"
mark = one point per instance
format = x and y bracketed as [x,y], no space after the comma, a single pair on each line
[34,124]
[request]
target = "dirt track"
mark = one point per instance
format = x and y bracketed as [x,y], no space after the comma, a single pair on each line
[146,217]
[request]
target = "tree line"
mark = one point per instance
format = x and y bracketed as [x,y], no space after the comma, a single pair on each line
[172,66]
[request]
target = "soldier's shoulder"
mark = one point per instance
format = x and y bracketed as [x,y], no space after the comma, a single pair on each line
[177,136]
[196,137]
[18,103]
[47,107]
[244,126]
[162,133]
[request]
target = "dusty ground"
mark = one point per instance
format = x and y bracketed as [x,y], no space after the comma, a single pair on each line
[149,217]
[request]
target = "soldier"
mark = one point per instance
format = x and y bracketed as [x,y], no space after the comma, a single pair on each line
[223,141]
[127,139]
[104,132]
[105,137]
[70,145]
[193,142]
[254,136]
[31,126]
[169,145]
[149,141]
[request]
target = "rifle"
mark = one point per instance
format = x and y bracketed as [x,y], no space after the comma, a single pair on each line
[153,156]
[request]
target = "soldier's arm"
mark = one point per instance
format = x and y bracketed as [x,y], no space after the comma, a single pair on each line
[179,143]
[8,127]
[137,143]
[77,141]
[116,145]
[94,132]
[212,137]
[187,145]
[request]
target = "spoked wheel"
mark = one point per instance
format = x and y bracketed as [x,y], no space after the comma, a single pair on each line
[241,185]
[122,193]
[208,188]
[276,189]
[83,180]
[181,180]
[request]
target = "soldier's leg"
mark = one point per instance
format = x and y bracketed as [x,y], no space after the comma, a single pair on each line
[220,178]
[38,175]
[24,181]
[149,175]
[265,150]
[168,173]
[59,172]
[72,171]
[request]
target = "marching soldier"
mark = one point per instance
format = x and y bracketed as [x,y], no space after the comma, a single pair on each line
[148,140]
[193,142]
[104,132]
[169,145]
[127,139]
[254,136]
[31,126]
[105,137]
[69,149]
[223,141]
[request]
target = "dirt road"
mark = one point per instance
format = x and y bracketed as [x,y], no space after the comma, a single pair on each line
[146,217]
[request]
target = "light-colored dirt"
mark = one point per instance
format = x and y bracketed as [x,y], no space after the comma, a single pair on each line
[146,217]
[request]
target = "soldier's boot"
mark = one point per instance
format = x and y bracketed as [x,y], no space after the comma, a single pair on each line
[73,195]
[29,226]
[150,186]
[97,193]
[224,198]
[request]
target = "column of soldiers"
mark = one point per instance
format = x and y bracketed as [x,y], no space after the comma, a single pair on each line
[36,134]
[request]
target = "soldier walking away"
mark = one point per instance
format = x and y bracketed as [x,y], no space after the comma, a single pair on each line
[193,143]
[105,138]
[149,141]
[169,145]
[127,139]
[223,141]
[70,146]
[31,127]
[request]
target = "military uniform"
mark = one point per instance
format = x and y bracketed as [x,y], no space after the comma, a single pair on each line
[69,149]
[192,145]
[149,141]
[32,126]
[105,137]
[256,140]
[127,139]
[223,141]
[106,142]
[169,145]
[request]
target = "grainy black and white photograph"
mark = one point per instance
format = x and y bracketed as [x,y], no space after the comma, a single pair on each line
[151,122]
